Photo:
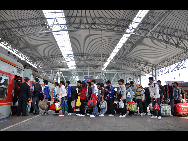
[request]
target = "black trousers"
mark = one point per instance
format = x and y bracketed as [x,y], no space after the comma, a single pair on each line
[145,105]
[22,104]
[35,106]
[69,105]
[82,108]
[124,110]
[111,106]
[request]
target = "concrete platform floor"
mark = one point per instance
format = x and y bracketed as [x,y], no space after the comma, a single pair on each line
[52,122]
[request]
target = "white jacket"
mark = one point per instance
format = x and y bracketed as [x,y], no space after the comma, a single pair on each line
[154,90]
[95,89]
[62,91]
[57,89]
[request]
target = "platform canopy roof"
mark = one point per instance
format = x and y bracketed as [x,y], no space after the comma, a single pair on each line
[160,38]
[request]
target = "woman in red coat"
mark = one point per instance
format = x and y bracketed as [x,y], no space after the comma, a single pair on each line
[82,98]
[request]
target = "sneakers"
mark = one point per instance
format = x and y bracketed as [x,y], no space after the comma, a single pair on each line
[69,114]
[141,114]
[61,115]
[122,116]
[101,115]
[156,117]
[77,114]
[111,115]
[92,116]
[45,113]
[81,115]
[153,116]
[159,117]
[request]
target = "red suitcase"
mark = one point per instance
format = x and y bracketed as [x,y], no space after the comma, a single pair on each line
[181,109]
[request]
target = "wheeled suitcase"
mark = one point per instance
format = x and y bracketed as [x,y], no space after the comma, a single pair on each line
[165,110]
[181,109]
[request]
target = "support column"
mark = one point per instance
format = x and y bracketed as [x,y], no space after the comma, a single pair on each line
[140,78]
[155,74]
[152,71]
[83,75]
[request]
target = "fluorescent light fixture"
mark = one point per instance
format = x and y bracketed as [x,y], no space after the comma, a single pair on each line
[57,17]
[14,51]
[138,18]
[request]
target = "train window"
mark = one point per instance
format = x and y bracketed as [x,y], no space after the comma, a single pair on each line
[4,81]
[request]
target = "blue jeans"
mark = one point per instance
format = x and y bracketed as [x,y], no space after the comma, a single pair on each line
[95,110]
[63,105]
[172,106]
[154,111]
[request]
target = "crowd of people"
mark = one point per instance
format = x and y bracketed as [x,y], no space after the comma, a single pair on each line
[154,93]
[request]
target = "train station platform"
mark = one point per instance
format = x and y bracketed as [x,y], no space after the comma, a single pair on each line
[53,122]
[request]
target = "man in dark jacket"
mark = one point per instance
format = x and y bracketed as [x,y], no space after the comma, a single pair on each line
[89,90]
[23,96]
[147,100]
[161,91]
[35,98]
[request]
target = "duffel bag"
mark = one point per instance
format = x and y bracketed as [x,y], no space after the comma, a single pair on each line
[165,110]
[181,109]
[43,105]
[90,103]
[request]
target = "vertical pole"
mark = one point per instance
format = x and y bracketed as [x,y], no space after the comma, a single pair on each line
[155,74]
[101,54]
[58,76]
[152,71]
[134,77]
[83,75]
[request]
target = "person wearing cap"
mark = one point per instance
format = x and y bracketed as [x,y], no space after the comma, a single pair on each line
[23,96]
[155,97]
[35,98]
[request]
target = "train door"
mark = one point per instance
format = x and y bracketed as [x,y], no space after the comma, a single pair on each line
[6,87]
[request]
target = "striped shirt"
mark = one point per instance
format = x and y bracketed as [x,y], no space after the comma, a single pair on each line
[139,93]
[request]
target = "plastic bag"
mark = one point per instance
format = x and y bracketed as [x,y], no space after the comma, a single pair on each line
[156,107]
[103,105]
[121,104]
[78,103]
[58,106]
